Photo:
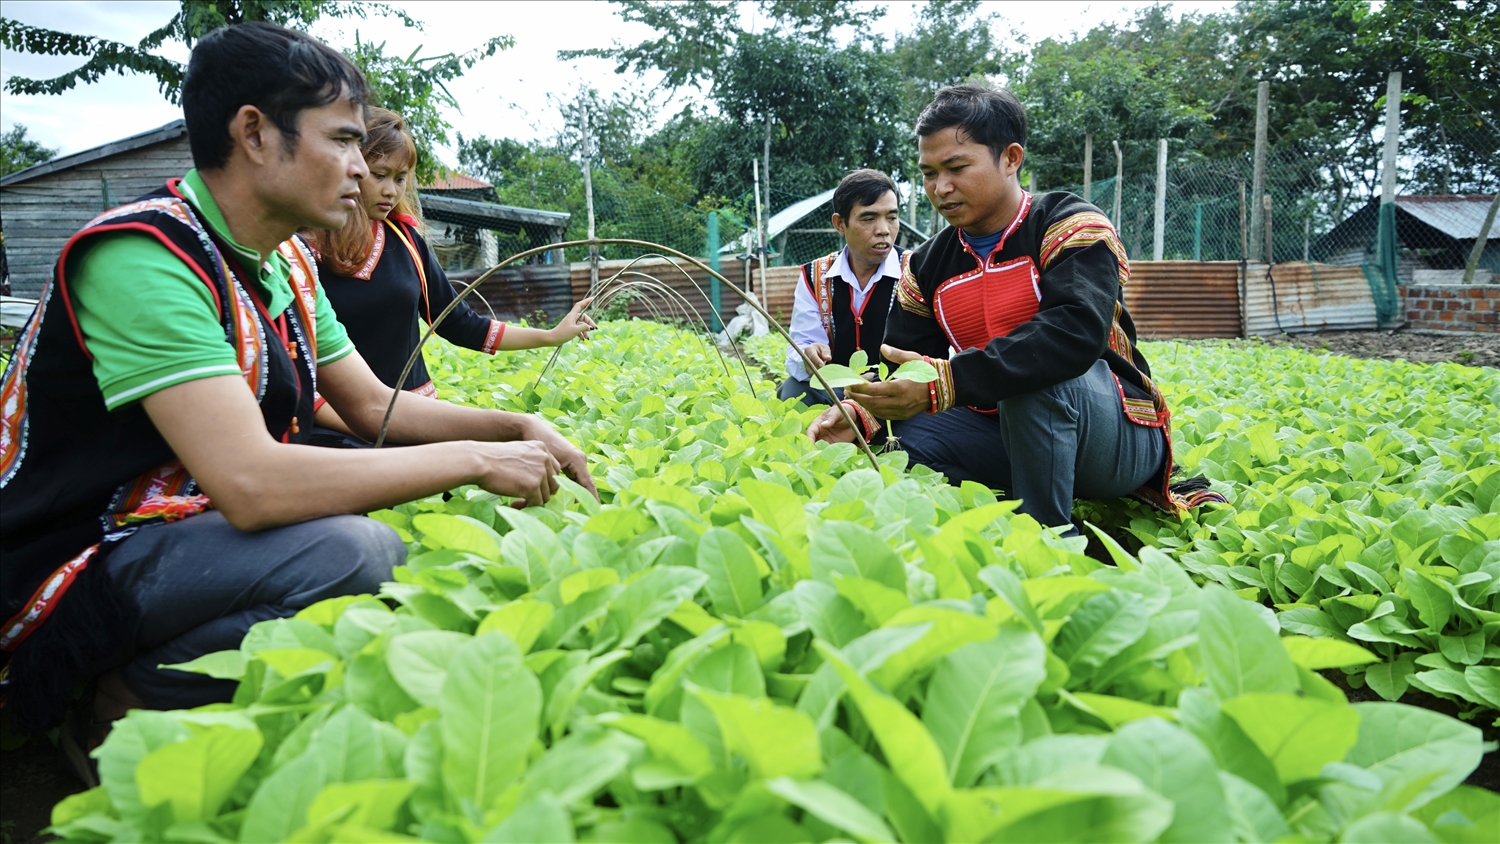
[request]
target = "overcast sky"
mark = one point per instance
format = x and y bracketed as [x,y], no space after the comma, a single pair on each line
[506,95]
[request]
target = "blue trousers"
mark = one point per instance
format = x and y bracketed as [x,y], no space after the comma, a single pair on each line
[201,583]
[1046,448]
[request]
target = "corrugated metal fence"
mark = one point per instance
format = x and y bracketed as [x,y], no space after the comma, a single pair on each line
[1192,299]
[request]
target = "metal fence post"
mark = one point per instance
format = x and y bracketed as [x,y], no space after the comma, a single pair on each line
[712,248]
[1258,174]
[1119,183]
[1088,167]
[1158,239]
[1198,231]
[1392,137]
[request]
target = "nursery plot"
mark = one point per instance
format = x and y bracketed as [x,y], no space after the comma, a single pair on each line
[752,638]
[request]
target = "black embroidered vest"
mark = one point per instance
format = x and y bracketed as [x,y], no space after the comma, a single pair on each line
[74,476]
[848,330]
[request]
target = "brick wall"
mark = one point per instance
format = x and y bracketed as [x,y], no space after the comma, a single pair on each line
[1454,307]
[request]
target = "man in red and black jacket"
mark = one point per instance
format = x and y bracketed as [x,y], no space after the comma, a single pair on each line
[1019,304]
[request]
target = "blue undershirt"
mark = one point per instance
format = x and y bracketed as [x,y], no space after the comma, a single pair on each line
[984,243]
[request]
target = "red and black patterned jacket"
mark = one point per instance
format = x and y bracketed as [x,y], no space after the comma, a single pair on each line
[1044,306]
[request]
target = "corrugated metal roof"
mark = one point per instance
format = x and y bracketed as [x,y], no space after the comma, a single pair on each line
[165,132]
[1301,298]
[1459,217]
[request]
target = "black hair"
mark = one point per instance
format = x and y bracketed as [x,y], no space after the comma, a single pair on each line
[862,187]
[278,70]
[988,116]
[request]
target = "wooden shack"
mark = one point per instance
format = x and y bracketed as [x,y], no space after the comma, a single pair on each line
[43,205]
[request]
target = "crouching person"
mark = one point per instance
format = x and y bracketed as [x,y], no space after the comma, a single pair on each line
[156,497]
[843,297]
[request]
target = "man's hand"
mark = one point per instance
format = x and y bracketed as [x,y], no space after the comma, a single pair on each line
[831,427]
[819,353]
[891,399]
[568,456]
[575,324]
[524,470]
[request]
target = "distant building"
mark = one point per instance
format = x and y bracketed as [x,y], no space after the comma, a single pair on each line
[1435,233]
[43,205]
[469,230]
[803,231]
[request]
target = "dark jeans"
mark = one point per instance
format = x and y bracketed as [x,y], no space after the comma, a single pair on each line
[795,388]
[201,583]
[1046,448]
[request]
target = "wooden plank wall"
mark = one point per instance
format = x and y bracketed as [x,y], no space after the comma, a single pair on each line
[41,214]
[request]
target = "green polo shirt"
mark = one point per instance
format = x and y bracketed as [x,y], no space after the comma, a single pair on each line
[150,322]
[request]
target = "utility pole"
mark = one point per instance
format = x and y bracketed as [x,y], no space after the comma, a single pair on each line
[1119,183]
[1258,175]
[1392,137]
[760,231]
[767,156]
[1088,167]
[1158,240]
[588,189]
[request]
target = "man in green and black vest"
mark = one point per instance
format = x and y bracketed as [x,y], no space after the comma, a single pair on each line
[156,497]
[842,298]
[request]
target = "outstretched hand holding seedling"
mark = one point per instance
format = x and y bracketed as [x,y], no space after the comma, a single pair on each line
[887,398]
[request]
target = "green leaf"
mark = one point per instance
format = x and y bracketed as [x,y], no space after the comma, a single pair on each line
[846,549]
[777,507]
[832,806]
[839,376]
[1465,815]
[1106,624]
[372,804]
[905,499]
[875,601]
[909,749]
[197,775]
[1008,589]
[523,621]
[915,370]
[668,741]
[1434,604]
[1386,828]
[221,665]
[491,707]
[774,740]
[1174,764]
[1417,753]
[859,361]
[543,818]
[1298,734]
[830,616]
[1389,679]
[947,631]
[733,579]
[1317,654]
[648,599]
[461,533]
[570,688]
[974,700]
[279,805]
[130,740]
[1240,654]
[1252,812]
[861,484]
[419,662]
[1090,804]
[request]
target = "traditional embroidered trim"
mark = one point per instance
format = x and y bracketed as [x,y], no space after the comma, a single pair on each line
[43,601]
[367,269]
[304,282]
[822,291]
[429,390]
[13,426]
[492,339]
[165,508]
[170,479]
[909,293]
[867,422]
[943,384]
[318,402]
[1083,229]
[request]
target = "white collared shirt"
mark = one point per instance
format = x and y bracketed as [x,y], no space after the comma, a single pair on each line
[807,323]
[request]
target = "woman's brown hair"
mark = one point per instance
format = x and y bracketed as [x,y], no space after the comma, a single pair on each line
[389,141]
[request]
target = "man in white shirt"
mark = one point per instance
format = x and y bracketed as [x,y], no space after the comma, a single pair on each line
[843,297]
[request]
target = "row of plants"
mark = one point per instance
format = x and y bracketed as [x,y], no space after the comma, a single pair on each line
[753,638]
[1366,503]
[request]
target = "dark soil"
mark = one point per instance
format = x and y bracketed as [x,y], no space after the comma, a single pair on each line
[33,778]
[1466,349]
